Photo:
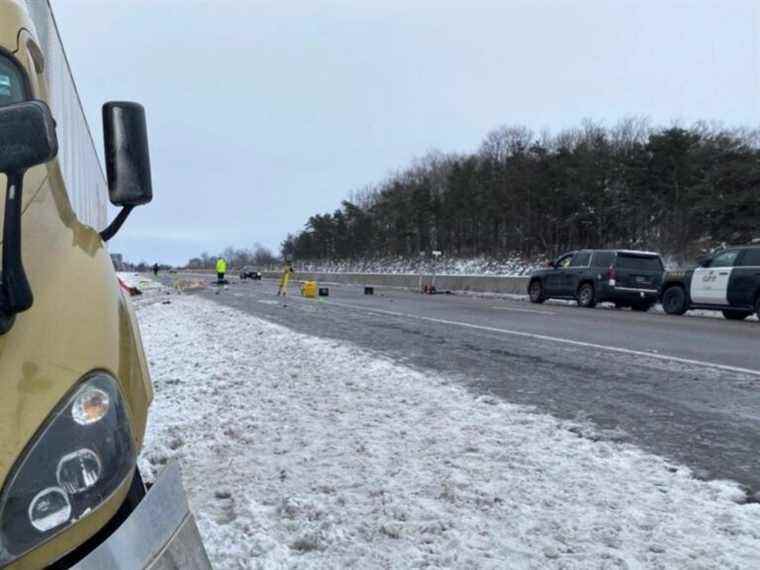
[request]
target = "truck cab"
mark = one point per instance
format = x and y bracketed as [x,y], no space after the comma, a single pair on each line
[75,383]
[726,281]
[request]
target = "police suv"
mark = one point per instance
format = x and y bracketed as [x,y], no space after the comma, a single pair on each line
[727,281]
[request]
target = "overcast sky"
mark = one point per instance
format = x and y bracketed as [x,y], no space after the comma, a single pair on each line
[262,113]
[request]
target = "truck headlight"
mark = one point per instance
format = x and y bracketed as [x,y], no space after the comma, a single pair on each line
[79,457]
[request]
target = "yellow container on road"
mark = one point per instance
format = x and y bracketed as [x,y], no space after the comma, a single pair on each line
[309,289]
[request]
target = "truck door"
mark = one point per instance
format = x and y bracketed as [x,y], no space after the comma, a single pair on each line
[709,284]
[555,279]
[578,268]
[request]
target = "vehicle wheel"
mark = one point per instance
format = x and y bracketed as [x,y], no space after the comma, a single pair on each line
[536,292]
[736,315]
[757,307]
[642,307]
[586,296]
[674,301]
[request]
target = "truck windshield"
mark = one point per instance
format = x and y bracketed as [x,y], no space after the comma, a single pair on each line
[11,83]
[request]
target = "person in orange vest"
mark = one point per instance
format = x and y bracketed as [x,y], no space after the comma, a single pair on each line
[282,287]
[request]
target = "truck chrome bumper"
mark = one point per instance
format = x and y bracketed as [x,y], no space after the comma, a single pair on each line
[160,534]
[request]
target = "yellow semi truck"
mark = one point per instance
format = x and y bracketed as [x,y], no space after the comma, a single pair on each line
[74,384]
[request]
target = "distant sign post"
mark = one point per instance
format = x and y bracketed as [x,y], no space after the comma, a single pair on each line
[436,256]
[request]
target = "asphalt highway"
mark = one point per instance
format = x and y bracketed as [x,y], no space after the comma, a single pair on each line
[686,388]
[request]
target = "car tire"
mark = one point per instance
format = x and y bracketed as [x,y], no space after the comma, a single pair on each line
[674,301]
[536,292]
[757,307]
[586,296]
[641,307]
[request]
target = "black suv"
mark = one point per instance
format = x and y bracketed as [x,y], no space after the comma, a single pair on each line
[728,281]
[626,278]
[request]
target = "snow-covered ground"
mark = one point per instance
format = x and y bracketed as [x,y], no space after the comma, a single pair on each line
[139,280]
[301,452]
[512,266]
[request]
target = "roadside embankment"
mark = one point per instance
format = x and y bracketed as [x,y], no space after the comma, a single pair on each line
[305,452]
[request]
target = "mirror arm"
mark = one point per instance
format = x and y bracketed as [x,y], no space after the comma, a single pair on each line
[15,292]
[114,227]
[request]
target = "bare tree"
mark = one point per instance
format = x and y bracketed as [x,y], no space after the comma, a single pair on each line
[263,256]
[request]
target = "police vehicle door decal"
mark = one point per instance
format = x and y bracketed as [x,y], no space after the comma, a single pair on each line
[709,285]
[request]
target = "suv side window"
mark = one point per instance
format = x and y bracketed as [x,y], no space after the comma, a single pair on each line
[564,262]
[603,258]
[581,259]
[725,259]
[751,258]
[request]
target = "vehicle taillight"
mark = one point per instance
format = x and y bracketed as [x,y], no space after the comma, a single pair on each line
[611,275]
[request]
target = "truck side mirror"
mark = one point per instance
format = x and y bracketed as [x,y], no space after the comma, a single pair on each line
[125,135]
[27,138]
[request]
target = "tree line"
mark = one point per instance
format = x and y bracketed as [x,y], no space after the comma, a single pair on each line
[678,190]
[259,256]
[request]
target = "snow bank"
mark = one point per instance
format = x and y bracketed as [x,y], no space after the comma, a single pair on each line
[151,290]
[511,267]
[142,282]
[300,452]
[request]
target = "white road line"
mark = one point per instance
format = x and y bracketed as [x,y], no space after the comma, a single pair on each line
[523,334]
[502,308]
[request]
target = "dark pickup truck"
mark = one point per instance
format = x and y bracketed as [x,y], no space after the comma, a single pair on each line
[727,281]
[626,278]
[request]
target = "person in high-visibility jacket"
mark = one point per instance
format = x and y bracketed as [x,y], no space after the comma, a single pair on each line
[282,287]
[221,269]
